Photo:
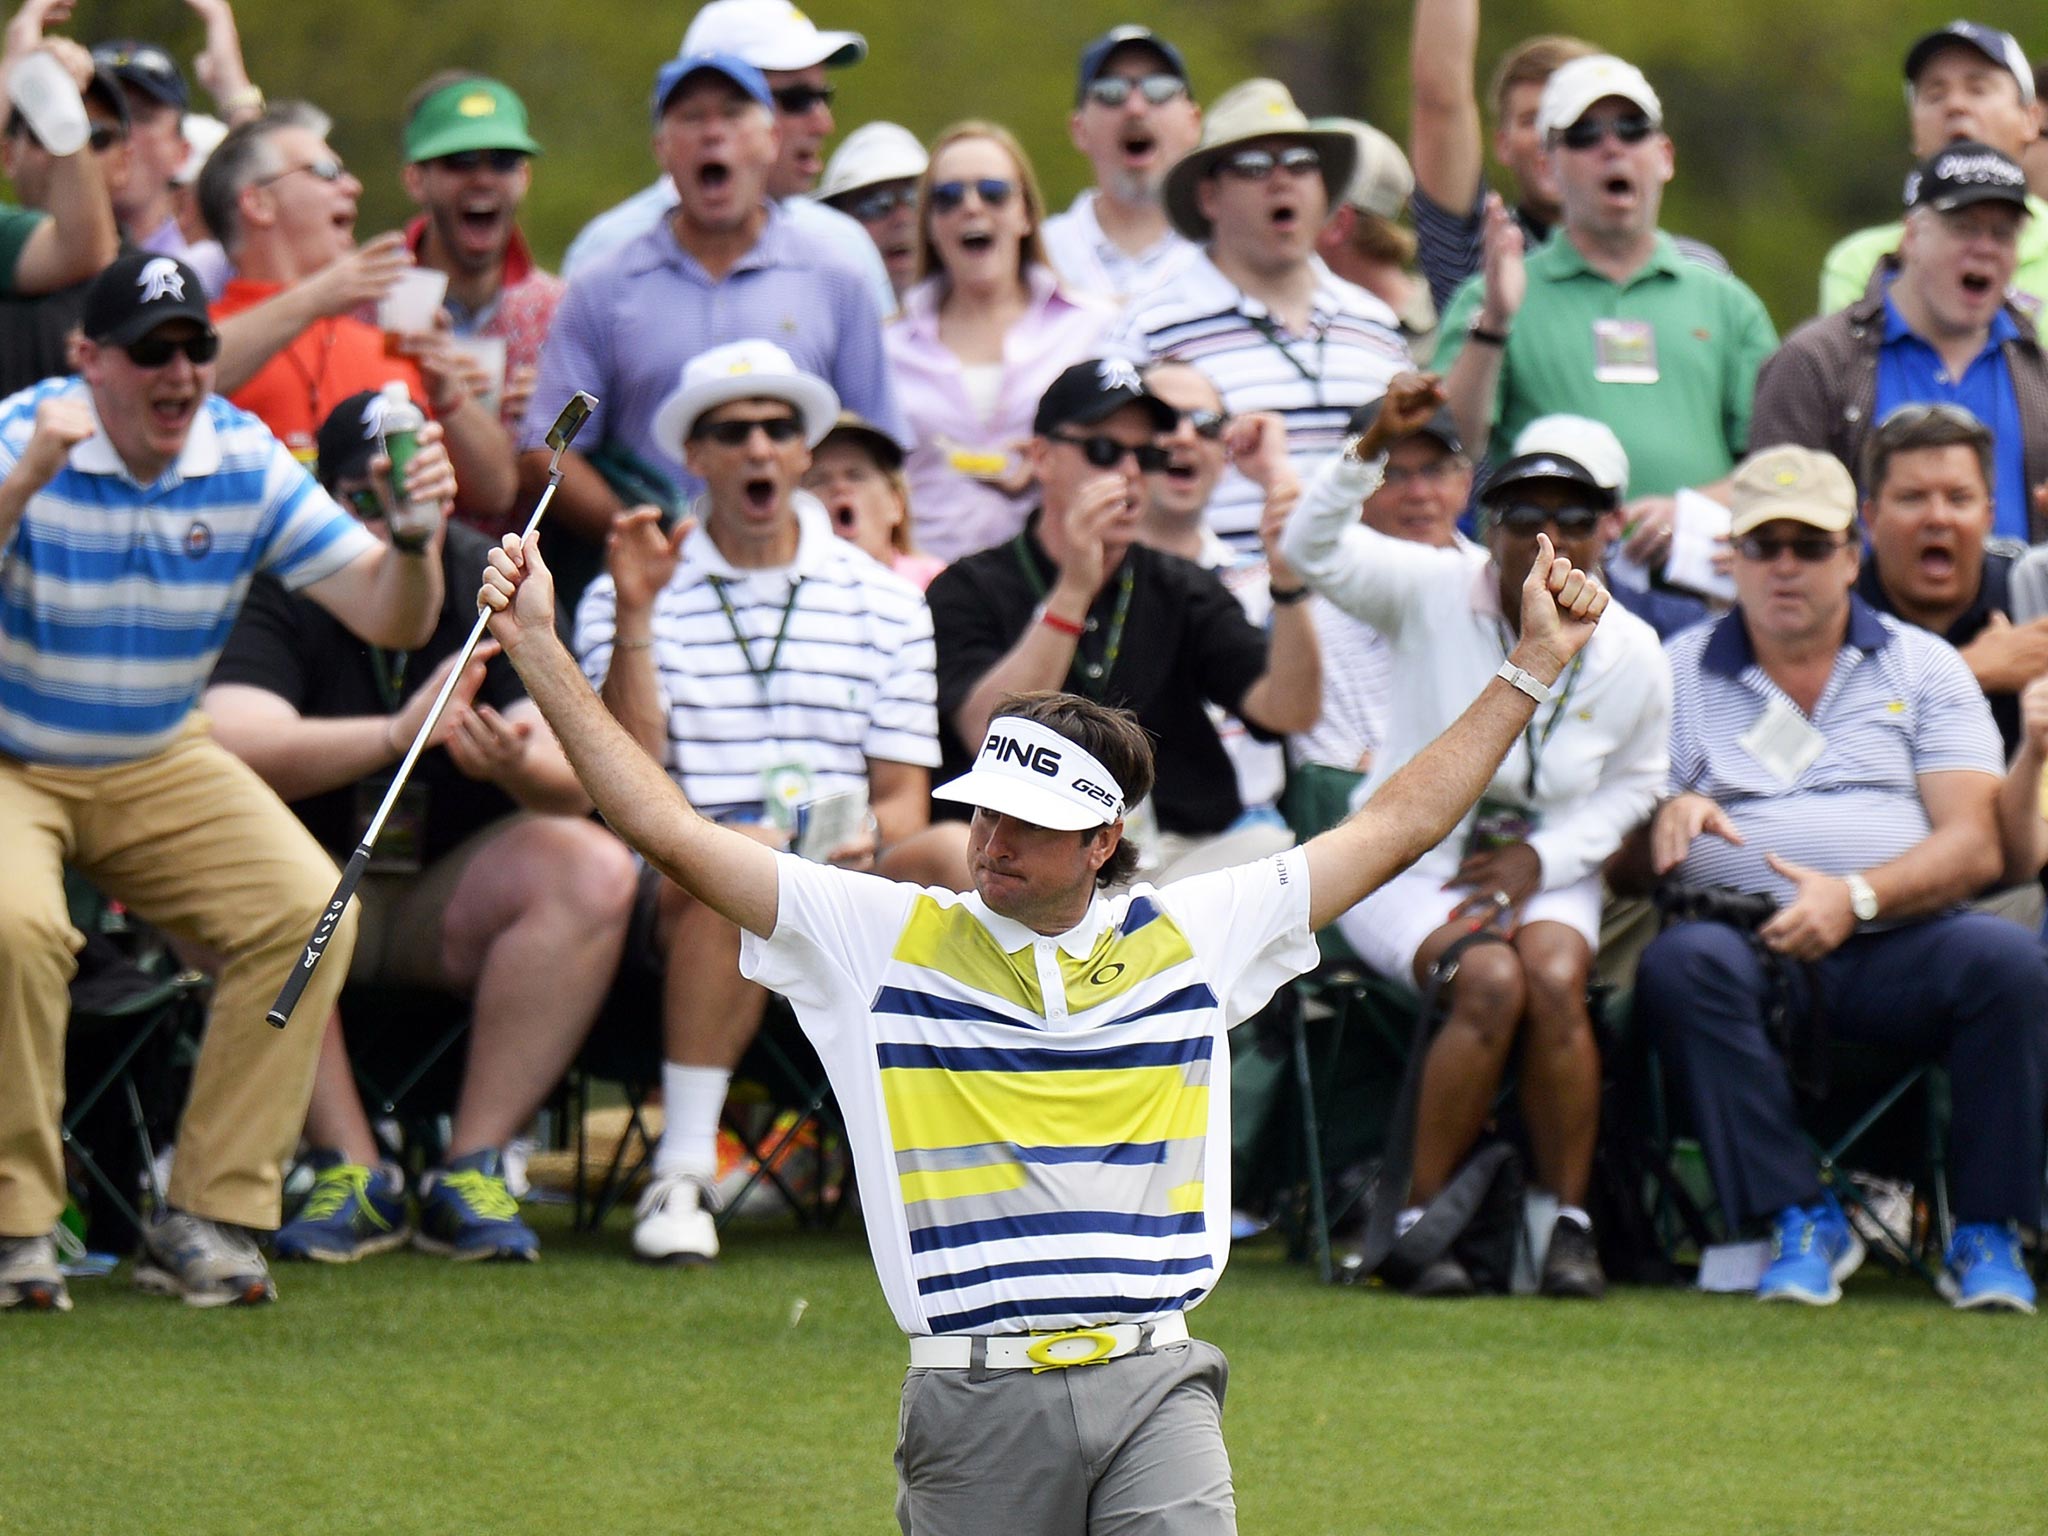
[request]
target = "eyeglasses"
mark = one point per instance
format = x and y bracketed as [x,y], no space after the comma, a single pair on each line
[1105,452]
[947,196]
[1809,548]
[1258,164]
[737,434]
[1629,128]
[1525,519]
[1437,469]
[503,161]
[327,169]
[1206,424]
[796,100]
[1115,90]
[153,351]
[880,202]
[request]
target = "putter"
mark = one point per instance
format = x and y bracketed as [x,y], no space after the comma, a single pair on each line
[560,436]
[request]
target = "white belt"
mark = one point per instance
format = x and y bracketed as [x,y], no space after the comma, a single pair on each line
[1047,1351]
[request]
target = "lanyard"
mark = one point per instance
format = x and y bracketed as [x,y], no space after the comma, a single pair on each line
[1094,674]
[1537,742]
[1266,328]
[762,675]
[388,667]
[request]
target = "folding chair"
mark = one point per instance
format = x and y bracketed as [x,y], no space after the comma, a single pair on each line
[132,1006]
[402,1048]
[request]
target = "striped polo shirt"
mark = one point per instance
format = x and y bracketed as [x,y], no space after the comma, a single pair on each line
[116,597]
[850,680]
[1314,379]
[1040,1124]
[1899,703]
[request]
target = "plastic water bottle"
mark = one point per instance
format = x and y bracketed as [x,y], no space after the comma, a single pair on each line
[399,424]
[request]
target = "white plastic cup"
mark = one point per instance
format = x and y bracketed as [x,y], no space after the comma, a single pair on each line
[488,353]
[409,308]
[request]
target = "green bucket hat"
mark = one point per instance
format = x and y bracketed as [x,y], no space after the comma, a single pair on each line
[469,114]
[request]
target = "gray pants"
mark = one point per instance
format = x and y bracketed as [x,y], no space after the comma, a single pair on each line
[1130,1447]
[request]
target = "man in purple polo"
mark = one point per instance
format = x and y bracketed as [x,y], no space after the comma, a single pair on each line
[725,265]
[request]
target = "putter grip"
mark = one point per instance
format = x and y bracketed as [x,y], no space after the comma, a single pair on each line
[316,946]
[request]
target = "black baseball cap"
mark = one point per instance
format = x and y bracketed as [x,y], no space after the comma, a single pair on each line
[146,66]
[1963,173]
[1094,391]
[855,428]
[1097,53]
[349,438]
[2001,48]
[1442,426]
[139,292]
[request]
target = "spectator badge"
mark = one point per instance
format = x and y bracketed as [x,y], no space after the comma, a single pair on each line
[198,540]
[1624,351]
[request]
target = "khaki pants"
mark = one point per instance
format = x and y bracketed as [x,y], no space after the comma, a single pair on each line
[194,842]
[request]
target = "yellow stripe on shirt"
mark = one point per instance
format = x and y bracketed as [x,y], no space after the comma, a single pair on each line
[932,1107]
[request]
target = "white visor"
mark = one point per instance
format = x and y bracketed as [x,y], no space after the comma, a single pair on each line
[1035,774]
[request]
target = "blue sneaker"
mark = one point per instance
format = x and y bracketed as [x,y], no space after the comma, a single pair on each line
[352,1213]
[1989,1274]
[1813,1250]
[467,1213]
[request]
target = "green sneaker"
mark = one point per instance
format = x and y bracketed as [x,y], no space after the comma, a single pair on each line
[352,1213]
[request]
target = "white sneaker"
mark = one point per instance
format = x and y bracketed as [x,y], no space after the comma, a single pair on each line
[673,1222]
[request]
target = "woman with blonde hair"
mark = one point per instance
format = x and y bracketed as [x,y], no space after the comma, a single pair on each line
[981,335]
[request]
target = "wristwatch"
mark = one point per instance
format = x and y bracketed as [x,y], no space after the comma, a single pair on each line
[1862,899]
[1527,682]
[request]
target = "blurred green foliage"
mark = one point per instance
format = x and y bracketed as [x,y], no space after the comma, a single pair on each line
[1787,114]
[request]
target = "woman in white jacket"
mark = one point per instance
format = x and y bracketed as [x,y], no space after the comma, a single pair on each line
[1587,771]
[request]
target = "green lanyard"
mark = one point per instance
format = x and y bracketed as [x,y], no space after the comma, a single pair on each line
[1537,743]
[1094,674]
[388,667]
[762,675]
[1266,328]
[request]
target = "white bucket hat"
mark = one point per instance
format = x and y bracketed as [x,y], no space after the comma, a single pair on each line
[1035,774]
[743,370]
[870,155]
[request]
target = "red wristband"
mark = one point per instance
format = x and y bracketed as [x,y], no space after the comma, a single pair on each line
[1066,627]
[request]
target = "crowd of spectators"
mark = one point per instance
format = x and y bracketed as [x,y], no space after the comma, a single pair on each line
[1256,439]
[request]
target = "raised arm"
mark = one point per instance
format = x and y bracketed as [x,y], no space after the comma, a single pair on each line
[251,337]
[2022,829]
[1416,809]
[391,596]
[1444,139]
[733,875]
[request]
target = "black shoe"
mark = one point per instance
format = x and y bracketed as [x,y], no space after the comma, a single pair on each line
[1444,1278]
[1572,1266]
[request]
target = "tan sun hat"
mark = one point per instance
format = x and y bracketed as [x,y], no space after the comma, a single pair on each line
[1244,114]
[1382,181]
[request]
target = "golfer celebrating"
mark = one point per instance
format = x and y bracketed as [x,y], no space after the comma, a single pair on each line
[1034,1076]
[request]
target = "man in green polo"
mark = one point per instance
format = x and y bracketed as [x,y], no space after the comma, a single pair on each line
[1963,81]
[1606,320]
[467,148]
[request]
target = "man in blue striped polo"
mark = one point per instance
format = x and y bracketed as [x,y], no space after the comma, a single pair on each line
[135,507]
[1034,1075]
[1845,765]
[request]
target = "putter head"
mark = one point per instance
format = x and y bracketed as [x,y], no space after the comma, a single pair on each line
[569,423]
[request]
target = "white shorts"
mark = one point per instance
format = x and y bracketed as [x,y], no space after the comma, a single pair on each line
[1389,926]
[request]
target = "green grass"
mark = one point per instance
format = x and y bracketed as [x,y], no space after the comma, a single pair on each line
[588,1394]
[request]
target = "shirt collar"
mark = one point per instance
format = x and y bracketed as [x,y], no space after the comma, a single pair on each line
[1011,936]
[658,247]
[815,543]
[1563,259]
[1968,625]
[200,456]
[1729,651]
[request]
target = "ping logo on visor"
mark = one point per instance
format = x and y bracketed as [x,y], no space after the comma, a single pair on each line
[1030,771]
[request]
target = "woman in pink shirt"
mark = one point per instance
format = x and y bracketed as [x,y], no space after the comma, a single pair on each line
[857,472]
[983,333]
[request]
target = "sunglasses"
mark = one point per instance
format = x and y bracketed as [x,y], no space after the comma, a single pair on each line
[1810,548]
[1115,90]
[105,137]
[1105,452]
[880,202]
[1258,164]
[1526,519]
[737,434]
[947,196]
[1206,424]
[503,161]
[796,100]
[1629,128]
[327,169]
[154,351]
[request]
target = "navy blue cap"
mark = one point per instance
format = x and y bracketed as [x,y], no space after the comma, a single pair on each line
[147,67]
[737,70]
[2001,48]
[1097,53]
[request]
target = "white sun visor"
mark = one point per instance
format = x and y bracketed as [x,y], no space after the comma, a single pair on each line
[1032,772]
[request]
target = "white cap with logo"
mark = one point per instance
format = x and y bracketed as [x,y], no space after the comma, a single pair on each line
[770,34]
[1576,85]
[1035,774]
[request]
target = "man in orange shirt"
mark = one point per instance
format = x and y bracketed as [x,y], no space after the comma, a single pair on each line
[283,205]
